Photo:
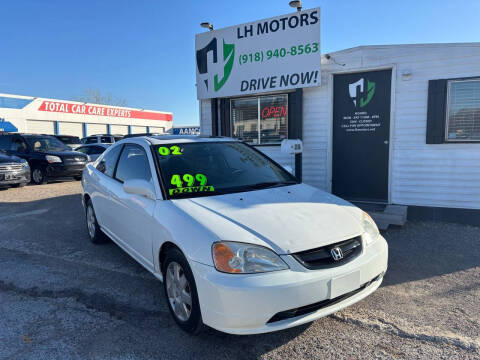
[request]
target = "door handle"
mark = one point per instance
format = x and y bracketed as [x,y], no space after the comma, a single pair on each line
[386,142]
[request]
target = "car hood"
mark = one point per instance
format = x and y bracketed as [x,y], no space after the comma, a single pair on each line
[8,159]
[286,219]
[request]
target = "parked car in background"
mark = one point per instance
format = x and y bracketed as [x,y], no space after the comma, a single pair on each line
[239,243]
[142,134]
[93,150]
[101,139]
[72,142]
[14,171]
[47,156]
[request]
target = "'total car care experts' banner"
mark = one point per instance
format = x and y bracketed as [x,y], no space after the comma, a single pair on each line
[85,109]
[273,54]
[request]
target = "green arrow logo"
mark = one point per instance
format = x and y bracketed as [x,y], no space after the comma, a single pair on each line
[228,53]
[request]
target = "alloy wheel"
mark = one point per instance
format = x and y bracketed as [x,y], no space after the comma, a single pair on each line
[178,290]
[91,222]
[37,176]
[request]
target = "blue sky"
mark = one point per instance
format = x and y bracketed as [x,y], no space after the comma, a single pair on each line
[143,50]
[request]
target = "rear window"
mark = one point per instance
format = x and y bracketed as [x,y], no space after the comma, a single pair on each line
[106,139]
[69,139]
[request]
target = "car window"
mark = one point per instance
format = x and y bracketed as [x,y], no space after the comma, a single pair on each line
[96,150]
[133,164]
[18,145]
[107,164]
[91,140]
[69,139]
[82,149]
[5,142]
[46,143]
[106,139]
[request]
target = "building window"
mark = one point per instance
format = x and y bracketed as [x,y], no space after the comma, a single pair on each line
[260,120]
[463,110]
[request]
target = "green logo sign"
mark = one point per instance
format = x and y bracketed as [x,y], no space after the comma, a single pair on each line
[361,95]
[228,51]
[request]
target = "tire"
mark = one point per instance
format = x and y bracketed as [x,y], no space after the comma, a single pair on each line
[95,234]
[78,178]
[188,321]
[39,176]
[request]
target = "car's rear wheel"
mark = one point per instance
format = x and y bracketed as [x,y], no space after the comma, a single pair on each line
[39,176]
[78,178]
[94,232]
[181,292]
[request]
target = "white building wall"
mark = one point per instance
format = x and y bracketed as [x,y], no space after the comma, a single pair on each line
[445,175]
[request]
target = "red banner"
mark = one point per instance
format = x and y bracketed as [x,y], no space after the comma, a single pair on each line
[81,109]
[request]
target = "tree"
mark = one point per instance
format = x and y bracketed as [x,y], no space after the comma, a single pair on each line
[94,96]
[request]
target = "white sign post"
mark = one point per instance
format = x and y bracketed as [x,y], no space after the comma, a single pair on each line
[267,55]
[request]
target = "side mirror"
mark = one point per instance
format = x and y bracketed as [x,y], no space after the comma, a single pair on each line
[101,166]
[139,187]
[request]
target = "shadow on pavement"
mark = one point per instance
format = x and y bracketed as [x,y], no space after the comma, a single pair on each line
[421,250]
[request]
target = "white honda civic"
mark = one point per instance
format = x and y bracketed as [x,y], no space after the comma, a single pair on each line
[239,243]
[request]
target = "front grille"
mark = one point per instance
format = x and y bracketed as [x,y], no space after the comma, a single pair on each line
[11,167]
[322,258]
[307,309]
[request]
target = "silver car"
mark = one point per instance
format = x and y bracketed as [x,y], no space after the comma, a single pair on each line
[93,151]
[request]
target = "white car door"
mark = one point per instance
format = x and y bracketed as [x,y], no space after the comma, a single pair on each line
[102,181]
[132,220]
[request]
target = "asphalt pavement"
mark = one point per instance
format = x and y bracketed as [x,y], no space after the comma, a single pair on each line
[62,297]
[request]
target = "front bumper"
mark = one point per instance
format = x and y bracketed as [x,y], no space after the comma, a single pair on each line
[60,170]
[244,304]
[8,178]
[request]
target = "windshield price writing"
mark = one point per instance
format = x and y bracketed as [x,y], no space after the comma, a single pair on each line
[189,181]
[172,150]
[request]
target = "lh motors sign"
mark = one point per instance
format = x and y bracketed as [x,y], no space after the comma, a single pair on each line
[273,54]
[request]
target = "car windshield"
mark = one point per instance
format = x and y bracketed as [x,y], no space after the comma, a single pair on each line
[46,143]
[213,168]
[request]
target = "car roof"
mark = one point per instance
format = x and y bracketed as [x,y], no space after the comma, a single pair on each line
[97,144]
[168,139]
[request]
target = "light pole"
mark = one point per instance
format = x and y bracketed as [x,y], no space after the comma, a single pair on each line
[296,4]
[207,25]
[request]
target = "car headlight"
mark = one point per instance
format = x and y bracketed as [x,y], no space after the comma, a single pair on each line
[371,230]
[241,258]
[24,163]
[53,159]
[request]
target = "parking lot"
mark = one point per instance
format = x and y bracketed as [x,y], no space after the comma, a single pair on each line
[62,297]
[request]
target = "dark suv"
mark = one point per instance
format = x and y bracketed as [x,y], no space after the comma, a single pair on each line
[47,156]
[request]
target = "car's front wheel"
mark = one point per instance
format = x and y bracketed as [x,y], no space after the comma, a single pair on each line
[181,292]
[39,176]
[94,232]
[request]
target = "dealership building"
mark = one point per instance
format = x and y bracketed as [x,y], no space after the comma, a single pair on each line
[51,116]
[394,128]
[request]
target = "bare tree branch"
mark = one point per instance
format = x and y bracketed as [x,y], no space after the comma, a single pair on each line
[94,96]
